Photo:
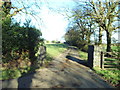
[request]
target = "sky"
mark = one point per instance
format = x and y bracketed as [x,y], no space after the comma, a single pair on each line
[50,20]
[55,23]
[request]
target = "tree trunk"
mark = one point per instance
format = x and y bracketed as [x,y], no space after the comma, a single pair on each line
[88,38]
[100,35]
[108,41]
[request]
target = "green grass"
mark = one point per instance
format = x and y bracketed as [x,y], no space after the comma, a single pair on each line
[83,55]
[54,50]
[110,59]
[114,48]
[112,76]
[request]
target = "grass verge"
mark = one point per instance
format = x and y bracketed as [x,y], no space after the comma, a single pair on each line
[83,55]
[112,76]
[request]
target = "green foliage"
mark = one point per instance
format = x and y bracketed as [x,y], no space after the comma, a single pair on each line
[74,38]
[15,73]
[81,29]
[105,14]
[53,41]
[18,43]
[19,39]
[85,48]
[47,41]
[9,74]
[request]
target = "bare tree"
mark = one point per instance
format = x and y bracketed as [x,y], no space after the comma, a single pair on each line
[104,13]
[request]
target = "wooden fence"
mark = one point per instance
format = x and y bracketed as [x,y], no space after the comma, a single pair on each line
[98,58]
[110,60]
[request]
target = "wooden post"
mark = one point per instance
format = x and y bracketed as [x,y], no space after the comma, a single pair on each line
[102,60]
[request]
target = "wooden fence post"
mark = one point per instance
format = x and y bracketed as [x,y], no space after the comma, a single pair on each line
[102,60]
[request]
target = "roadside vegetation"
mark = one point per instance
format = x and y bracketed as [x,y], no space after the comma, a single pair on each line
[53,50]
[20,43]
[83,55]
[111,75]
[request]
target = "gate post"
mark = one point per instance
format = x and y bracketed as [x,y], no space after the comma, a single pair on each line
[102,60]
[90,55]
[94,56]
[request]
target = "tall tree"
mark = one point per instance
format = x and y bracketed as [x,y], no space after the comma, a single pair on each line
[84,23]
[104,13]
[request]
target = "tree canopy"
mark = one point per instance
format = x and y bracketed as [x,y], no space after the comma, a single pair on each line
[93,14]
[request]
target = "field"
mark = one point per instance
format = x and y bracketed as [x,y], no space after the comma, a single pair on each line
[83,55]
[55,49]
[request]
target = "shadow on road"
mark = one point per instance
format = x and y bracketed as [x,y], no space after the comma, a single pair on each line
[25,82]
[83,62]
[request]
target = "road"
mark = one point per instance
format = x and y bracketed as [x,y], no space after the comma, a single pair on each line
[62,72]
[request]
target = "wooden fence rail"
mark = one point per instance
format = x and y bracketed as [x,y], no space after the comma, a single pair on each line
[98,58]
[109,60]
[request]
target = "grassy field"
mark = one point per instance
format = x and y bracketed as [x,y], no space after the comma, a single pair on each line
[55,49]
[83,55]
[113,47]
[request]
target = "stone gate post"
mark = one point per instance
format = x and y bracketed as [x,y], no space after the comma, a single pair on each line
[94,56]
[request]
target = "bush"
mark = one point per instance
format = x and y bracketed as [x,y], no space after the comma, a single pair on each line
[10,74]
[19,39]
[53,41]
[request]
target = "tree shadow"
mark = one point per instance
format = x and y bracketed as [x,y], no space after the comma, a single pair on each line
[24,81]
[83,62]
